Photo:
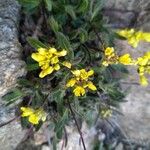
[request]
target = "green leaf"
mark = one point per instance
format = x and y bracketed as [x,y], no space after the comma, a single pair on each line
[61,124]
[58,95]
[12,96]
[96,8]
[38,126]
[24,122]
[31,67]
[48,4]
[29,5]
[83,35]
[64,43]
[53,24]
[83,6]
[36,43]
[24,82]
[70,10]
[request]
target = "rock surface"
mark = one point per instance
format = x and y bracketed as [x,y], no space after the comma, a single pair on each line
[133,14]
[135,121]
[128,13]
[121,13]
[11,67]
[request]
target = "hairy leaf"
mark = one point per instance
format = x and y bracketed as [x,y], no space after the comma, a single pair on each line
[36,43]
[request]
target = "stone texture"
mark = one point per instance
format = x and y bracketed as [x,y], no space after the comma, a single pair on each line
[135,121]
[11,67]
[128,13]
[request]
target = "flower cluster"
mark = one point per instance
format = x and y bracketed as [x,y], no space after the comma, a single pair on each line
[48,60]
[80,82]
[134,37]
[144,68]
[112,58]
[34,116]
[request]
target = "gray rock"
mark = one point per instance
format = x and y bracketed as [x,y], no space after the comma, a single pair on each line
[128,13]
[11,67]
[135,121]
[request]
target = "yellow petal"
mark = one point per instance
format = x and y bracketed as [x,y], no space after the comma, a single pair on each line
[143,81]
[90,73]
[34,119]
[91,86]
[67,64]
[41,114]
[79,91]
[54,60]
[125,59]
[52,50]
[38,57]
[105,63]
[84,74]
[142,61]
[133,42]
[42,51]
[141,70]
[26,111]
[147,55]
[45,72]
[76,73]
[57,67]
[126,32]
[146,37]
[71,82]
[62,53]
[109,51]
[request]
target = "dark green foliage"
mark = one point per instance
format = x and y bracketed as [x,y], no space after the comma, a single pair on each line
[77,26]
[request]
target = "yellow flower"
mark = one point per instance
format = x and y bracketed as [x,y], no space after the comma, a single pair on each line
[143,63]
[34,116]
[112,58]
[109,51]
[67,64]
[125,59]
[79,91]
[105,63]
[48,60]
[143,80]
[134,37]
[80,81]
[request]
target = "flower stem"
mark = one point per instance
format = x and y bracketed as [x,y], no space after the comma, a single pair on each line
[74,117]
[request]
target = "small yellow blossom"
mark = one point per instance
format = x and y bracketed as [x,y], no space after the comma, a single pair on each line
[143,64]
[112,58]
[48,60]
[125,59]
[34,116]
[109,51]
[134,37]
[80,82]
[143,80]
